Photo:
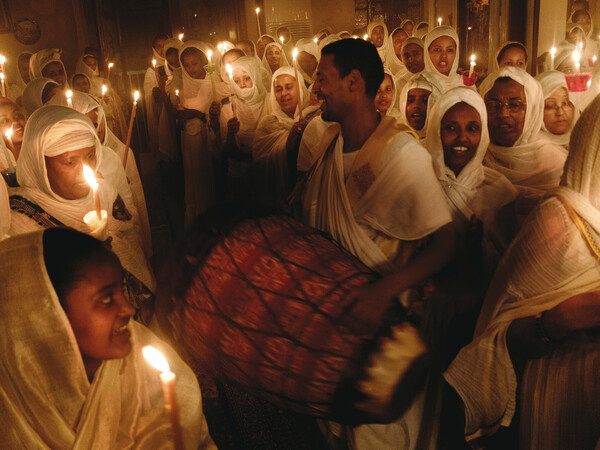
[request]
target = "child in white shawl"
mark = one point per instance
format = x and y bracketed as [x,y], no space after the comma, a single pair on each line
[47,64]
[534,165]
[416,99]
[441,55]
[274,57]
[74,356]
[378,36]
[385,100]
[536,349]
[88,65]
[278,135]
[51,132]
[560,114]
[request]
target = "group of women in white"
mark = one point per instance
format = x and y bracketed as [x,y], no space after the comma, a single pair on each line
[248,124]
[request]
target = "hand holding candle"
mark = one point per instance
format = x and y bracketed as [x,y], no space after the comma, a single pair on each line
[167,378]
[136,96]
[294,56]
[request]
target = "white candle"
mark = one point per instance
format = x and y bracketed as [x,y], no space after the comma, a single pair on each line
[439,21]
[167,378]
[88,173]
[69,94]
[10,145]
[211,70]
[577,58]
[110,66]
[136,96]
[230,73]
[472,65]
[3,84]
[258,22]
[104,89]
[365,37]
[294,56]
[177,95]
[552,56]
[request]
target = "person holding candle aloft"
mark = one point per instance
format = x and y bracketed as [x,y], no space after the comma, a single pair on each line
[277,138]
[85,378]
[53,192]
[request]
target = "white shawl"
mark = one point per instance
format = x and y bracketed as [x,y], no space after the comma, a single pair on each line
[496,63]
[430,81]
[550,82]
[46,400]
[532,164]
[17,88]
[96,80]
[310,47]
[41,59]
[453,79]
[32,95]
[282,63]
[392,110]
[548,262]
[383,50]
[392,61]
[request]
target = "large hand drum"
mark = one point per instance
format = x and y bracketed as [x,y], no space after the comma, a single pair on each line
[266,306]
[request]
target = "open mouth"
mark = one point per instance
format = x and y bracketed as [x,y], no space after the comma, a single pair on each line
[121,331]
[460,149]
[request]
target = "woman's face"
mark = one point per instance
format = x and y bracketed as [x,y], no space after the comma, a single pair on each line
[194,63]
[55,71]
[442,52]
[159,46]
[308,63]
[377,36]
[81,84]
[416,107]
[261,44]
[514,57]
[172,56]
[11,115]
[286,93]
[398,39]
[65,172]
[460,131]
[585,22]
[558,112]
[99,313]
[91,62]
[24,69]
[243,80]
[409,28]
[274,57]
[385,94]
[412,57]
[506,107]
[246,48]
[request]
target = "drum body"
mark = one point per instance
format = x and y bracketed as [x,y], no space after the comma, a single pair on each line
[266,308]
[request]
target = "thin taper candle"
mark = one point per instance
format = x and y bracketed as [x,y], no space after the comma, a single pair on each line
[136,96]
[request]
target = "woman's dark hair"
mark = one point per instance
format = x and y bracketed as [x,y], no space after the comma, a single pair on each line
[192,51]
[350,54]
[517,45]
[47,89]
[158,36]
[234,51]
[66,253]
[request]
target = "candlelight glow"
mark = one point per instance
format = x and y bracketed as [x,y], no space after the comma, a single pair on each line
[177,92]
[104,89]
[209,54]
[553,52]
[580,45]
[9,132]
[439,21]
[257,10]
[2,59]
[229,70]
[473,59]
[88,173]
[365,37]
[576,57]
[281,39]
[69,94]
[2,76]
[136,96]
[315,40]
[156,359]
[181,36]
[220,47]
[154,63]
[110,65]
[594,59]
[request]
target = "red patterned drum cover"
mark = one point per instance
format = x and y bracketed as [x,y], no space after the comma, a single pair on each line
[265,308]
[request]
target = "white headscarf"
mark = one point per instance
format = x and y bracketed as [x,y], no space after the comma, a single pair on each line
[50,403]
[177,44]
[564,50]
[391,60]
[392,110]
[308,46]
[41,59]
[550,82]
[326,41]
[453,79]
[93,75]
[250,102]
[423,80]
[383,50]
[276,110]
[416,41]
[19,86]
[282,63]
[496,63]
[32,95]
[420,33]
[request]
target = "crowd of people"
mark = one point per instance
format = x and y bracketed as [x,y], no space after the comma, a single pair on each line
[477,205]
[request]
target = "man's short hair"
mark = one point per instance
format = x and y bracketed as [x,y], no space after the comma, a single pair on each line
[350,54]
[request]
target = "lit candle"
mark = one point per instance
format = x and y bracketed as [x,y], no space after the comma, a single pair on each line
[230,73]
[365,37]
[258,22]
[594,59]
[88,173]
[181,37]
[210,68]
[155,70]
[3,84]
[10,145]
[315,40]
[294,56]
[104,89]
[472,65]
[167,378]
[281,39]
[2,62]
[552,56]
[178,100]
[69,94]
[220,48]
[110,66]
[136,96]
[4,79]
[576,58]
[439,21]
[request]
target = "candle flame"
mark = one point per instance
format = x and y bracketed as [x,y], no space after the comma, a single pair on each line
[110,65]
[594,58]
[229,70]
[220,47]
[104,89]
[365,37]
[136,96]
[580,45]
[156,359]
[440,21]
[177,92]
[2,76]
[88,173]
[154,63]
[281,39]
[257,10]
[553,51]
[2,59]
[576,56]
[181,36]
[473,59]
[315,40]
[209,54]
[69,94]
[295,54]
[9,132]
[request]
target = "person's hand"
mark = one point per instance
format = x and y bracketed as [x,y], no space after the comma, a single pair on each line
[214,111]
[579,312]
[233,126]
[298,129]
[187,114]
[162,80]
